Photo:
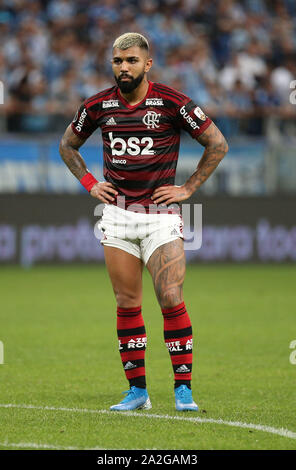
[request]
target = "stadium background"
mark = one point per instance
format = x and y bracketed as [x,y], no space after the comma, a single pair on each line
[60,369]
[234,59]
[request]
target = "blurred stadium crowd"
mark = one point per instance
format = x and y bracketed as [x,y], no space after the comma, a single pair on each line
[234,58]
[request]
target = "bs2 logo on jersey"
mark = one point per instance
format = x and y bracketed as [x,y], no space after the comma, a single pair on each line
[132,146]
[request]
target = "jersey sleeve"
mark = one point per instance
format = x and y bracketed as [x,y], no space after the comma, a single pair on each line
[84,123]
[192,119]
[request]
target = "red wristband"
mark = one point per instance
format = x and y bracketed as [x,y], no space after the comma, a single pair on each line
[88,181]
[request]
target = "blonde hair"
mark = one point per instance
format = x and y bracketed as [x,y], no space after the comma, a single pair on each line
[127,40]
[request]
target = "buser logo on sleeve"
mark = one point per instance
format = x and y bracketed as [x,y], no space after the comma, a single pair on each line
[81,120]
[188,118]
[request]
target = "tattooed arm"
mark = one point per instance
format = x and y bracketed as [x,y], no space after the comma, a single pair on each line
[69,151]
[215,149]
[69,147]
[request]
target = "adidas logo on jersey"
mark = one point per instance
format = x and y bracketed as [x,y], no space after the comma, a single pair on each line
[183,369]
[174,232]
[129,365]
[111,122]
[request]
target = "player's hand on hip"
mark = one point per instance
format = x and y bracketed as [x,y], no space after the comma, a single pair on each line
[106,192]
[169,194]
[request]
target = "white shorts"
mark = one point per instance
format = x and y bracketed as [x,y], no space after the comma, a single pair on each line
[137,233]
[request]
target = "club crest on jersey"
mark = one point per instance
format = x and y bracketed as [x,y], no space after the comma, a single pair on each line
[154,102]
[110,104]
[151,119]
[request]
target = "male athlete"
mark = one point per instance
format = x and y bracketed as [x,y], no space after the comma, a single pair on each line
[141,123]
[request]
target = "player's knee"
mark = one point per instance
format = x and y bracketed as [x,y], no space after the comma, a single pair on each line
[126,300]
[170,299]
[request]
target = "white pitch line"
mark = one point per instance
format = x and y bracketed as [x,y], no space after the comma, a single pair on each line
[34,445]
[257,427]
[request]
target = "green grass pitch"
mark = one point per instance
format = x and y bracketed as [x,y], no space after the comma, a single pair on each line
[58,328]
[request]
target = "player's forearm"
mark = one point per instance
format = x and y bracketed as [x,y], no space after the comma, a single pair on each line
[70,154]
[73,160]
[211,158]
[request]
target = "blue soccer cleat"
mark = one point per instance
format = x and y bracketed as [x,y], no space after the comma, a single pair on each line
[136,399]
[184,400]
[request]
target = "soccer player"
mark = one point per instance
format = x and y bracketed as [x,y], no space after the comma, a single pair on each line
[141,123]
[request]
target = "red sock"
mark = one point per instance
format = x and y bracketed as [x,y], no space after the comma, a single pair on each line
[132,344]
[178,339]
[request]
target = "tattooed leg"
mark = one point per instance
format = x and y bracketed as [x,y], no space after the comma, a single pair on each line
[167,268]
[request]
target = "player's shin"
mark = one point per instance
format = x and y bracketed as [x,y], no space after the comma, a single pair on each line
[132,344]
[178,339]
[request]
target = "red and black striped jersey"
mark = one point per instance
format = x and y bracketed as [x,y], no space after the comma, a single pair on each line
[140,142]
